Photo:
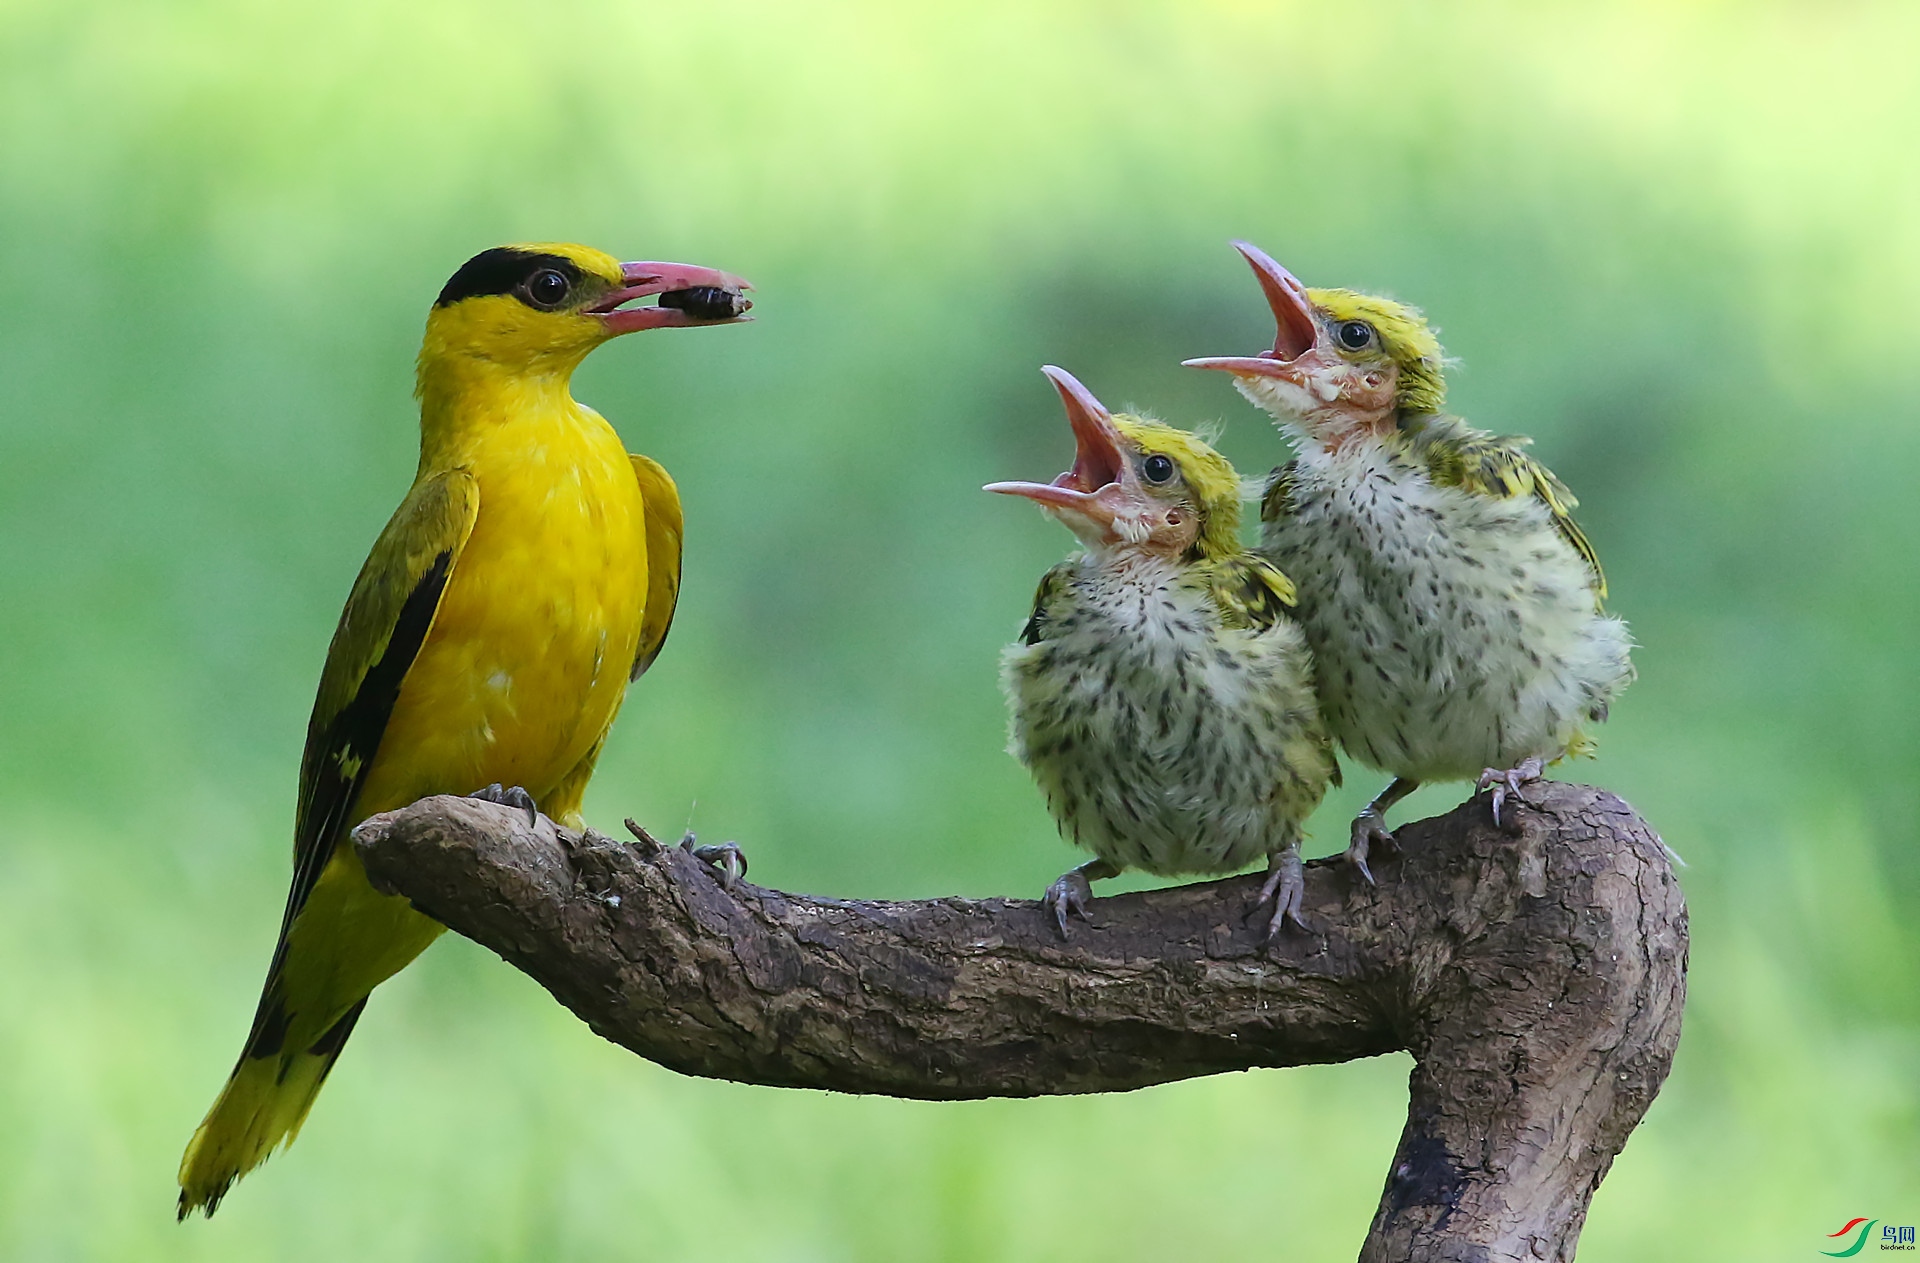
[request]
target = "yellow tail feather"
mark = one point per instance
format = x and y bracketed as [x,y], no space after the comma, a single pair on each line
[260,1109]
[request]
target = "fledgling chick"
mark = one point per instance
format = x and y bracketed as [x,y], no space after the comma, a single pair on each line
[1161,695]
[1453,606]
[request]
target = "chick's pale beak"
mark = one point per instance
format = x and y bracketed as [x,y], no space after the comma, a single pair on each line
[1099,464]
[1296,330]
[689,295]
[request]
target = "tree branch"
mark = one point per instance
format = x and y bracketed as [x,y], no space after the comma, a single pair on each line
[1536,976]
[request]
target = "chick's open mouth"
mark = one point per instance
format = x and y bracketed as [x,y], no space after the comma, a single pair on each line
[1095,465]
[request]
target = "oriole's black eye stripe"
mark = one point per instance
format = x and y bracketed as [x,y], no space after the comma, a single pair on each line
[1157,468]
[507,271]
[1355,335]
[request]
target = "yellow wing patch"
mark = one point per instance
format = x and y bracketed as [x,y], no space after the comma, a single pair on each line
[665,530]
[1254,595]
[1251,593]
[1491,465]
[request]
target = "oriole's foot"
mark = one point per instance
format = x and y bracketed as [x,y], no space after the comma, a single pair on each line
[1506,782]
[724,858]
[1074,891]
[509,796]
[1369,830]
[1286,885]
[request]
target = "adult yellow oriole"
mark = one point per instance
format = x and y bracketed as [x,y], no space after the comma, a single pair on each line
[529,574]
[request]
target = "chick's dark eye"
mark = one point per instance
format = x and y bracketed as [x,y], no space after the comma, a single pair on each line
[1157,468]
[1355,335]
[547,288]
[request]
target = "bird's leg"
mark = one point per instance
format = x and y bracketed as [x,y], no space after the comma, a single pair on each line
[1370,826]
[725,858]
[1507,781]
[509,796]
[1071,893]
[1286,883]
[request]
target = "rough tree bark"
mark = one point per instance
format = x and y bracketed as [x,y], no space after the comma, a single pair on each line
[1537,976]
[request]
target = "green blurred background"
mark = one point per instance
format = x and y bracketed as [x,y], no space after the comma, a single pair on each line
[1675,242]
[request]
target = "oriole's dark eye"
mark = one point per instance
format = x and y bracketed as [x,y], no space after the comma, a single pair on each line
[547,288]
[1355,335]
[1157,468]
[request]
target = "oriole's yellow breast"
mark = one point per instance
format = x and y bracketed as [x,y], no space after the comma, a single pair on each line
[536,633]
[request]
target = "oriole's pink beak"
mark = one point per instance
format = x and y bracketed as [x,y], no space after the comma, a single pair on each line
[1098,462]
[689,295]
[1296,330]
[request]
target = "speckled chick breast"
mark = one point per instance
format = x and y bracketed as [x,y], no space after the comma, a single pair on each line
[1453,631]
[1162,739]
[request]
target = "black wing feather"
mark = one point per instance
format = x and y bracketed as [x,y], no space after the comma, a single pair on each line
[385,622]
[1052,585]
[352,738]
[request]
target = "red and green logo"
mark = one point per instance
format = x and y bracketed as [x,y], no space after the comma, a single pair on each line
[1859,1228]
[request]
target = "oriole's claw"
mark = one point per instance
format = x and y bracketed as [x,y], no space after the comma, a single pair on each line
[1369,830]
[1506,782]
[649,844]
[725,858]
[509,796]
[1286,885]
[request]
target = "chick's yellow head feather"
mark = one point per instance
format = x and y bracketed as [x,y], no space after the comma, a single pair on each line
[1202,476]
[1402,334]
[540,307]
